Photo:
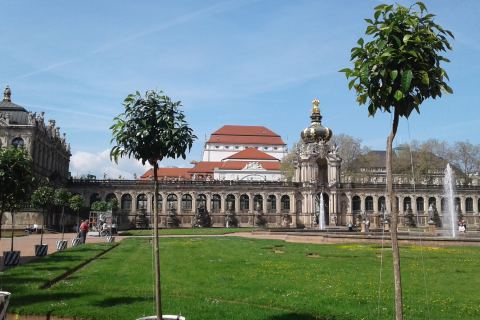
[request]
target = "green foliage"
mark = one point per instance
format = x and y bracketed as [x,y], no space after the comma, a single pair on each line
[62,197]
[43,198]
[15,178]
[101,206]
[150,129]
[400,66]
[75,203]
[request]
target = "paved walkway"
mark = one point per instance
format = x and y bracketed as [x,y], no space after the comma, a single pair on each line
[26,244]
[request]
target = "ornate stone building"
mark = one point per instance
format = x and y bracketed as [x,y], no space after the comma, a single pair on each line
[286,204]
[47,147]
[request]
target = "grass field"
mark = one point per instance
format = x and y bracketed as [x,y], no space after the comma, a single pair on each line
[186,231]
[236,278]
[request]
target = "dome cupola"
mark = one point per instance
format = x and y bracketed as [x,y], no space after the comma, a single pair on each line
[316,132]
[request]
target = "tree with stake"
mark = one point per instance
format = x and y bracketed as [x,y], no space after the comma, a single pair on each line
[76,203]
[43,198]
[396,71]
[15,181]
[61,199]
[152,128]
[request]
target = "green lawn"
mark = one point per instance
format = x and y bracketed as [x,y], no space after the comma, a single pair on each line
[186,231]
[236,278]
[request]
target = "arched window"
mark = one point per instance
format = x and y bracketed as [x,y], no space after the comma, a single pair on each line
[186,203]
[285,203]
[171,201]
[258,203]
[271,203]
[18,142]
[420,205]
[126,202]
[142,202]
[216,203]
[407,203]
[230,202]
[244,202]
[356,203]
[469,205]
[443,204]
[369,203]
[202,201]
[381,204]
[94,197]
[432,201]
[458,205]
[159,202]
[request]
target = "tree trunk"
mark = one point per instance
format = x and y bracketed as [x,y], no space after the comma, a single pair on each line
[13,229]
[394,216]
[43,226]
[156,248]
[2,209]
[63,221]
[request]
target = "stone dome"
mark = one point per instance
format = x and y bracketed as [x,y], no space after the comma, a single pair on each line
[316,132]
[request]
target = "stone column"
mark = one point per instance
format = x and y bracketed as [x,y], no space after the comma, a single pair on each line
[278,203]
[179,202]
[150,200]
[209,202]
[237,203]
[223,205]
[194,202]
[250,202]
[134,202]
[264,202]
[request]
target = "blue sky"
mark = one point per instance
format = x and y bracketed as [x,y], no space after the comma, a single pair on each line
[230,62]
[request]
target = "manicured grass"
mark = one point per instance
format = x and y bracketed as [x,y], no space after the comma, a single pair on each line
[236,278]
[186,231]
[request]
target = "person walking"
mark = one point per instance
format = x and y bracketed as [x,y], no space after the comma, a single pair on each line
[83,230]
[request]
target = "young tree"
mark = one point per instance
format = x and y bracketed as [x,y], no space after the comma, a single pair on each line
[395,72]
[43,198]
[76,203]
[61,199]
[15,181]
[150,129]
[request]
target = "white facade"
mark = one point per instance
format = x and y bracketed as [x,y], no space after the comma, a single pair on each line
[253,171]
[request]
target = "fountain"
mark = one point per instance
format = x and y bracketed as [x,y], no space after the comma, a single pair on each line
[450,216]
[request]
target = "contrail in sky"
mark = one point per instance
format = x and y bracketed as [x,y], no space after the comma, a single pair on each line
[216,8]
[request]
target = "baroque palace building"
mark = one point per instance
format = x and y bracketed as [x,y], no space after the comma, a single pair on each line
[23,129]
[274,202]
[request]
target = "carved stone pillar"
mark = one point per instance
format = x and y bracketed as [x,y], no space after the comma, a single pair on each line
[209,202]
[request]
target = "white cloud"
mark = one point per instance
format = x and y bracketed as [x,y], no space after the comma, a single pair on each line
[99,164]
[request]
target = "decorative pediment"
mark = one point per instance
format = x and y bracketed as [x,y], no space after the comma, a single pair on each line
[253,166]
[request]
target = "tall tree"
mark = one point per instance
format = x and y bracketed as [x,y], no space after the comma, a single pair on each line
[152,128]
[15,181]
[43,198]
[61,199]
[395,70]
[466,156]
[349,149]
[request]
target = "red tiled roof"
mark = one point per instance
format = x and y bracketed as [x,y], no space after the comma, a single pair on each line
[205,167]
[252,154]
[245,135]
[181,173]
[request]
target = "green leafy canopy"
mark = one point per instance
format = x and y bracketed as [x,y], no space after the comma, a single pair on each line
[151,128]
[400,67]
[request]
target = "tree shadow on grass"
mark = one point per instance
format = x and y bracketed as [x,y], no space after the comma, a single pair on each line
[116,301]
[28,299]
